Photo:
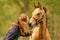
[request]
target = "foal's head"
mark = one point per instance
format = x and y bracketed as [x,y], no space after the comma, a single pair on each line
[37,15]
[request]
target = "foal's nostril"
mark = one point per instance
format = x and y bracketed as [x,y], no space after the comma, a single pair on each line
[30,24]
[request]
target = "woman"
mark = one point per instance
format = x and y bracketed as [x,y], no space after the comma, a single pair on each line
[18,28]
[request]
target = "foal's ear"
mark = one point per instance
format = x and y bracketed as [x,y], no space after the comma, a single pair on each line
[38,5]
[45,10]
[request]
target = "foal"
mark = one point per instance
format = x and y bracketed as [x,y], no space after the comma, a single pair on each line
[18,28]
[39,17]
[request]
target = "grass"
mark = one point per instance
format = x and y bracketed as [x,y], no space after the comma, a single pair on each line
[10,10]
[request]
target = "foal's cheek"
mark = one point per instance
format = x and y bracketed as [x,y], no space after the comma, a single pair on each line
[33,23]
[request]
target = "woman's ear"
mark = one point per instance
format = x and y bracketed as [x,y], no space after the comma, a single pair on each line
[45,10]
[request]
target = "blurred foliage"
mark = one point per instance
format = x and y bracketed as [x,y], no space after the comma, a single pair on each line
[11,9]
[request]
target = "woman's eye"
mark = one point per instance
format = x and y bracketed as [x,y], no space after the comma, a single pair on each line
[38,14]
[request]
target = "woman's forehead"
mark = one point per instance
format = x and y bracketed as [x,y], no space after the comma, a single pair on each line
[23,15]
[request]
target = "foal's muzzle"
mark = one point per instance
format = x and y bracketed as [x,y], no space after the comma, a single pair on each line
[30,24]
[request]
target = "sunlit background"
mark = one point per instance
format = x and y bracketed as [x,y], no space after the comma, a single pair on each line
[11,9]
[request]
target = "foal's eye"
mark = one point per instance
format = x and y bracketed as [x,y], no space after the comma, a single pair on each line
[38,14]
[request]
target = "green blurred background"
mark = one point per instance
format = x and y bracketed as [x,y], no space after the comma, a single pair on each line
[11,9]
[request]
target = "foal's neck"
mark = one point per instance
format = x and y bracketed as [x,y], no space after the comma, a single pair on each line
[43,24]
[42,28]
